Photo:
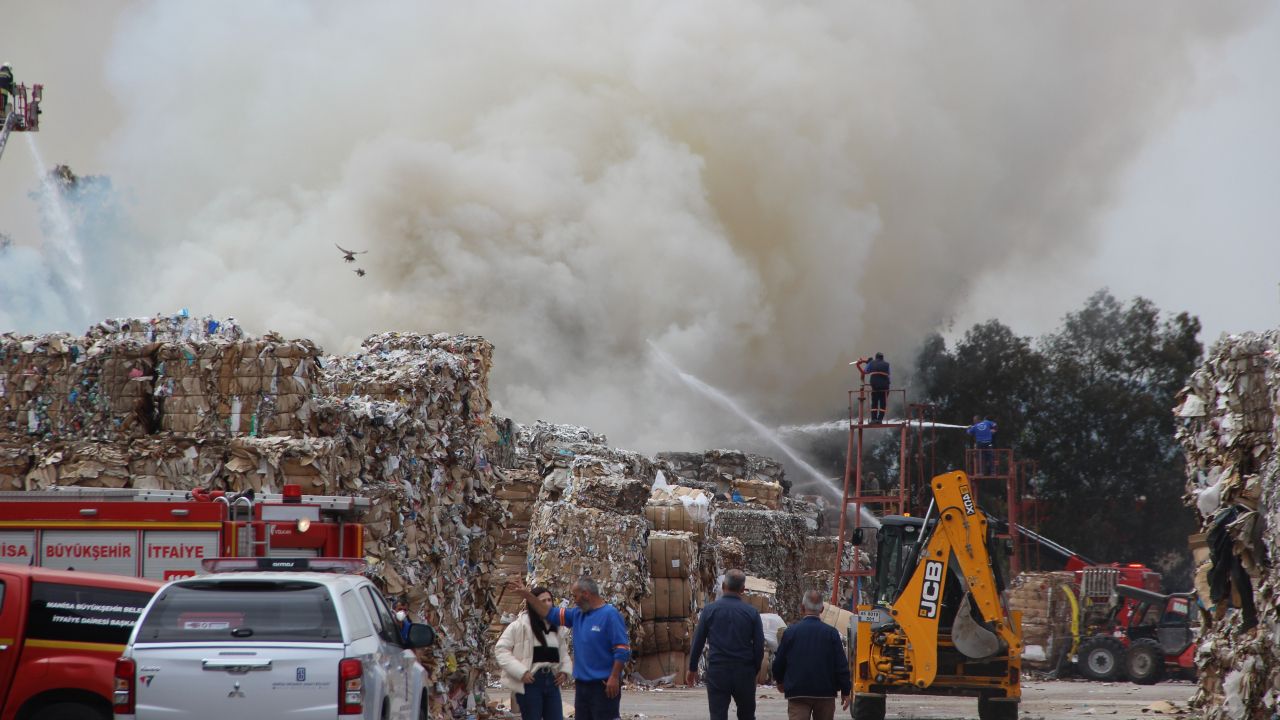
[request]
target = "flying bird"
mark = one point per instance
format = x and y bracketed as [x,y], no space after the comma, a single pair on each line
[349,255]
[360,272]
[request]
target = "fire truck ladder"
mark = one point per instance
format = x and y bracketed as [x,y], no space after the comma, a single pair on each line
[23,114]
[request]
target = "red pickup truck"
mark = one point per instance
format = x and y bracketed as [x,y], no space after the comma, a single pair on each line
[60,634]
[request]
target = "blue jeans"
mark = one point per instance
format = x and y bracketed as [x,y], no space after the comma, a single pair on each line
[541,699]
[987,458]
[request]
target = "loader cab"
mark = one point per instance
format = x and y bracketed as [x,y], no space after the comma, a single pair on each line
[898,542]
[897,546]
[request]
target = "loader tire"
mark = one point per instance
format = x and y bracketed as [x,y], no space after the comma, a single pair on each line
[1144,662]
[1100,658]
[867,708]
[992,709]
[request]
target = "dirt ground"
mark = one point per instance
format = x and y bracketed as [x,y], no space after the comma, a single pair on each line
[1041,700]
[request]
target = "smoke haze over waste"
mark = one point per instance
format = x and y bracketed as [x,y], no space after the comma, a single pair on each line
[763,190]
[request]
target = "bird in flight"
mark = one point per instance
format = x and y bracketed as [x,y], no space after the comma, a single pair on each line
[349,255]
[360,272]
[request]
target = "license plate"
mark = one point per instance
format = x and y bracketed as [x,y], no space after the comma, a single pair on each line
[868,616]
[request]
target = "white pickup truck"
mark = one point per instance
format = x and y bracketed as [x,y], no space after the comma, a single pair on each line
[243,645]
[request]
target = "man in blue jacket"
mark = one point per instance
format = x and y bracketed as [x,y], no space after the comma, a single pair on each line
[601,647]
[736,634]
[983,431]
[811,666]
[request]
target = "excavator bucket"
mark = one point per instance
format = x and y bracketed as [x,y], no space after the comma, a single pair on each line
[972,638]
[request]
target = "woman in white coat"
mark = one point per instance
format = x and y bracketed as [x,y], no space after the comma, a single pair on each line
[535,660]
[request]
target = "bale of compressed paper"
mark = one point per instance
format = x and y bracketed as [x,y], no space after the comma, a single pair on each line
[664,636]
[773,545]
[764,493]
[615,493]
[1045,601]
[1229,425]
[672,555]
[674,507]
[567,542]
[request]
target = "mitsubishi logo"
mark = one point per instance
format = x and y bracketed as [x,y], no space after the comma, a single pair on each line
[236,692]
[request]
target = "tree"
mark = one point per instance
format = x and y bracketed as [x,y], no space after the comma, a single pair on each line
[1091,403]
[1109,452]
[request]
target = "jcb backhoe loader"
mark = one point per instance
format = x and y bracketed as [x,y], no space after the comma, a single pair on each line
[938,624]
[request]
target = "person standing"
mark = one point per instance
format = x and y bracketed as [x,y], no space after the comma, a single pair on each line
[601,647]
[811,666]
[876,374]
[983,431]
[535,660]
[736,635]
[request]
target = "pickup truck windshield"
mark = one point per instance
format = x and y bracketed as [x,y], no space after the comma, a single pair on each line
[242,611]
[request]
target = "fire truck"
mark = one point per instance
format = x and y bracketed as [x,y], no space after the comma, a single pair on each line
[165,534]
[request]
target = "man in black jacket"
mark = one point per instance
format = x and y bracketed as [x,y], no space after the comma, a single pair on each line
[876,374]
[811,666]
[736,635]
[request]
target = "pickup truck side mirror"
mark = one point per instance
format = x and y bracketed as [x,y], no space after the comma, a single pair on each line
[421,635]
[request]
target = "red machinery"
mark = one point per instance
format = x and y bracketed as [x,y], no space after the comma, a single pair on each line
[163,534]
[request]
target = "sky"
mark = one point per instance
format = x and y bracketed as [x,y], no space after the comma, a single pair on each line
[760,191]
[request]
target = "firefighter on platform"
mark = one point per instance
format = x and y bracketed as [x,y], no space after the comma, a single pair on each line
[876,374]
[6,89]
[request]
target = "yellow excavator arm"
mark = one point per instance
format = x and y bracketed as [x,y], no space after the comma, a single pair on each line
[958,540]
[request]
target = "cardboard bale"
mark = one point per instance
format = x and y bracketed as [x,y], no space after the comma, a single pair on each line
[668,666]
[613,493]
[664,636]
[1047,615]
[669,598]
[567,542]
[764,493]
[672,555]
[773,544]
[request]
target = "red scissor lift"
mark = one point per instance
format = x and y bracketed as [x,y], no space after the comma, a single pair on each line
[916,467]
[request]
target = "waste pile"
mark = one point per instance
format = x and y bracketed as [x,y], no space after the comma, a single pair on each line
[753,475]
[181,402]
[588,518]
[1045,600]
[1229,418]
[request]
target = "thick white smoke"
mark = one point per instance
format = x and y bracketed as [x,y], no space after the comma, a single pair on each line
[764,190]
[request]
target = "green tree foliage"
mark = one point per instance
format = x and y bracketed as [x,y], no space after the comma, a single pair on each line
[1091,403]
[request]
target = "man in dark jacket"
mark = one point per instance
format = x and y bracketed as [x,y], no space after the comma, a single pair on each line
[811,666]
[736,635]
[876,374]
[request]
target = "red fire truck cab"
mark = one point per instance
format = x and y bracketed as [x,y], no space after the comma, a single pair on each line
[165,534]
[60,635]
